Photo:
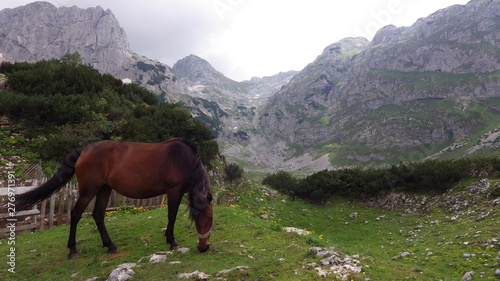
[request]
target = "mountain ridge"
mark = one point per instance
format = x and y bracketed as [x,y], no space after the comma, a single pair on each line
[380,108]
[42,31]
[410,93]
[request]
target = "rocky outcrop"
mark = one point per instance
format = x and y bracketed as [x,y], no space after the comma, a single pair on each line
[333,264]
[458,39]
[457,201]
[122,273]
[298,107]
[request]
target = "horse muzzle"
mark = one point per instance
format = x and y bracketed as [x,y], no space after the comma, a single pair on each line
[203,240]
[204,248]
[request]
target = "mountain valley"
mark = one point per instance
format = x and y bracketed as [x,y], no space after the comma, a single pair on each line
[424,91]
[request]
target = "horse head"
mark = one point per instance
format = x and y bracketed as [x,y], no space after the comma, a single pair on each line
[202,214]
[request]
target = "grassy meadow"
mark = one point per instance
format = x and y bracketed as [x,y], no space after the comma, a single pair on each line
[440,246]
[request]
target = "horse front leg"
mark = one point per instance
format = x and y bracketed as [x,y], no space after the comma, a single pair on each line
[174,201]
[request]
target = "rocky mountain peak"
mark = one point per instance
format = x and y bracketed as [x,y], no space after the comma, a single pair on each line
[346,45]
[321,75]
[385,34]
[93,33]
[197,70]
[42,31]
[35,7]
[457,39]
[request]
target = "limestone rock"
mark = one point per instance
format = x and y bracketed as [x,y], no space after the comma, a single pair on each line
[196,274]
[122,273]
[468,276]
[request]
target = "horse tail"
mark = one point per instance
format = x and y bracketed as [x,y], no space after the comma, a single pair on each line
[56,182]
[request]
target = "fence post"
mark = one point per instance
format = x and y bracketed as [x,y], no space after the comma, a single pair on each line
[42,214]
[51,210]
[35,217]
[69,199]
[61,206]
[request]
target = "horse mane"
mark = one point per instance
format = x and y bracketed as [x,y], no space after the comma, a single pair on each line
[199,194]
[191,145]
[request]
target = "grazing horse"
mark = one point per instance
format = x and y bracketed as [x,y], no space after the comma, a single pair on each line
[291,194]
[136,170]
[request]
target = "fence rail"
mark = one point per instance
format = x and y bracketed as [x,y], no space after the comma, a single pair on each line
[34,171]
[56,209]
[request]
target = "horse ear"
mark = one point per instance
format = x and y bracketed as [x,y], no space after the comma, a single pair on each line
[209,197]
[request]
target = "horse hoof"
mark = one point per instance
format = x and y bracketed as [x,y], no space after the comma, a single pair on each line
[174,248]
[73,255]
[113,251]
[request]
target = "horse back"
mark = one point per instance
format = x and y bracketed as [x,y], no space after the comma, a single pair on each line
[137,170]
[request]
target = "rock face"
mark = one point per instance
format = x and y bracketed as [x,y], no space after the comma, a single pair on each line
[308,95]
[262,88]
[412,90]
[56,30]
[41,31]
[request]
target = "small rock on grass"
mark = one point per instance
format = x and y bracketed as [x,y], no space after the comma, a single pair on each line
[241,268]
[183,250]
[157,258]
[468,276]
[122,273]
[197,274]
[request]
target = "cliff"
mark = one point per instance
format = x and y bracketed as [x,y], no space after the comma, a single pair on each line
[41,31]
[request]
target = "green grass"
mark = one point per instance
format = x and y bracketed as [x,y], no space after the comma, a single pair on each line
[242,238]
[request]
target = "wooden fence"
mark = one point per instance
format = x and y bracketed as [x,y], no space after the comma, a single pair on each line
[56,209]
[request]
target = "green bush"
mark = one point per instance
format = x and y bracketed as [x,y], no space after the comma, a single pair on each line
[233,172]
[432,176]
[71,105]
[495,192]
[281,181]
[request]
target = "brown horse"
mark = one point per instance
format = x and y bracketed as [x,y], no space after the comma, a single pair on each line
[136,170]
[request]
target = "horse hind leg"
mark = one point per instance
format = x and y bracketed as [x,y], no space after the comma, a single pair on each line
[76,215]
[101,202]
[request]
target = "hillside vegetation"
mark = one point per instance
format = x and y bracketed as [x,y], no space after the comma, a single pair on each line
[63,104]
[427,177]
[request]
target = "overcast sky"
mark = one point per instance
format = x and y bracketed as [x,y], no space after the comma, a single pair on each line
[246,38]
